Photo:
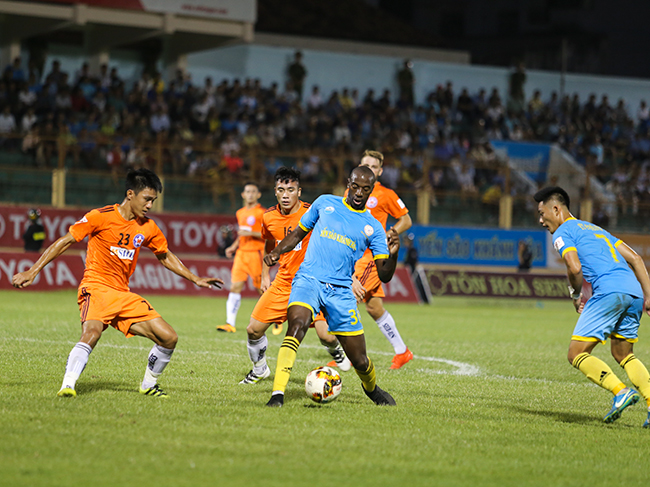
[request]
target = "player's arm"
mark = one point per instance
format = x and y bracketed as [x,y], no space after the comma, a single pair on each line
[248,233]
[638,266]
[357,289]
[402,224]
[174,264]
[269,245]
[287,245]
[574,273]
[386,267]
[24,279]
[233,247]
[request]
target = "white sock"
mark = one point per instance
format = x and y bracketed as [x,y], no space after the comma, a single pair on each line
[77,361]
[232,306]
[159,357]
[387,326]
[257,353]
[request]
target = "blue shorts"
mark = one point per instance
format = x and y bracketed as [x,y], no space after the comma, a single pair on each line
[615,314]
[337,303]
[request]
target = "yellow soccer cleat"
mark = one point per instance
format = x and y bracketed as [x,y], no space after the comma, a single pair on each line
[227,328]
[154,391]
[277,328]
[67,392]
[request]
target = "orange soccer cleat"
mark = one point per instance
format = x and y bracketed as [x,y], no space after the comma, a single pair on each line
[227,328]
[401,359]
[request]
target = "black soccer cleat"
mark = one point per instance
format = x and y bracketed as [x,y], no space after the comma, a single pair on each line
[380,397]
[276,401]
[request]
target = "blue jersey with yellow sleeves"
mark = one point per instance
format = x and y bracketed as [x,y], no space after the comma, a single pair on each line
[339,237]
[602,264]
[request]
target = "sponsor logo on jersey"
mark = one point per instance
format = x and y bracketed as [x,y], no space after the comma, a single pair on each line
[325,233]
[401,203]
[137,240]
[83,220]
[329,209]
[124,254]
[558,244]
[372,202]
[368,230]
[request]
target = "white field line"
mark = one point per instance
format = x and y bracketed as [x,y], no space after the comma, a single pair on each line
[460,368]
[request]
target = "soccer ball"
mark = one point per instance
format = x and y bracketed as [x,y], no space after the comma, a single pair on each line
[323,384]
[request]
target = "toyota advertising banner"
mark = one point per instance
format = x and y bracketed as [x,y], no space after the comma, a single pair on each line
[186,233]
[150,277]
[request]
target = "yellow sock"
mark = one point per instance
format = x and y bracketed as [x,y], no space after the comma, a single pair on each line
[638,374]
[598,372]
[368,378]
[286,359]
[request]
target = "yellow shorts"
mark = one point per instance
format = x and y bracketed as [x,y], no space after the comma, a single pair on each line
[120,309]
[366,271]
[272,305]
[247,263]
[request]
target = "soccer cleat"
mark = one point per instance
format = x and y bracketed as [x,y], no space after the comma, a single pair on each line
[276,401]
[340,360]
[380,397]
[277,328]
[155,391]
[67,392]
[401,359]
[253,378]
[627,397]
[647,421]
[227,328]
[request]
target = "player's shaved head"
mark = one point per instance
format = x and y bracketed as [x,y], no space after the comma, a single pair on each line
[363,171]
[552,192]
[141,179]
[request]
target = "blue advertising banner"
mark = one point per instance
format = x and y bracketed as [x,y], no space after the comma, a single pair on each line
[474,246]
[531,158]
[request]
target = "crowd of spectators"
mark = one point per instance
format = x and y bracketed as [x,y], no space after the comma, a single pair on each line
[212,128]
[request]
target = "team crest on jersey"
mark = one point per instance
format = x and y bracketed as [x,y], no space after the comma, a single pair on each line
[137,240]
[368,230]
[250,220]
[372,202]
[329,209]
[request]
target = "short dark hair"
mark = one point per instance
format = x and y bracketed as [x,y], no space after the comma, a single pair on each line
[365,169]
[250,183]
[287,175]
[556,192]
[140,179]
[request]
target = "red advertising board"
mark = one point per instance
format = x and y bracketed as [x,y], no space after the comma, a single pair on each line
[186,233]
[150,277]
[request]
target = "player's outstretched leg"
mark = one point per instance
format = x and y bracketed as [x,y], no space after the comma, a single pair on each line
[386,324]
[355,348]
[165,339]
[257,346]
[91,331]
[331,343]
[299,320]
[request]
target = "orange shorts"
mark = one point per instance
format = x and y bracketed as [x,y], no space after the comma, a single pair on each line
[366,271]
[247,263]
[120,309]
[272,305]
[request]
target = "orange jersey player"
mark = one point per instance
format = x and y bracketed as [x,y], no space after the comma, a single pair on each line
[271,308]
[248,248]
[382,202]
[115,235]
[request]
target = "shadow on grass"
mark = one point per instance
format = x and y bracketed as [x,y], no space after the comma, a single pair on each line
[105,385]
[560,416]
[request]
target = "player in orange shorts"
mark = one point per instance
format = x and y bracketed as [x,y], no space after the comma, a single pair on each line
[381,203]
[271,308]
[248,248]
[115,235]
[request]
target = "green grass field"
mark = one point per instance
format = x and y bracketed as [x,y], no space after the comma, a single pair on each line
[489,400]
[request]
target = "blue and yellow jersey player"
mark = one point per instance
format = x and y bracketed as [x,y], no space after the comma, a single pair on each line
[341,230]
[619,280]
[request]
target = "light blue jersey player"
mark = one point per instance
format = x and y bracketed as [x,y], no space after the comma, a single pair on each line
[619,280]
[341,230]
